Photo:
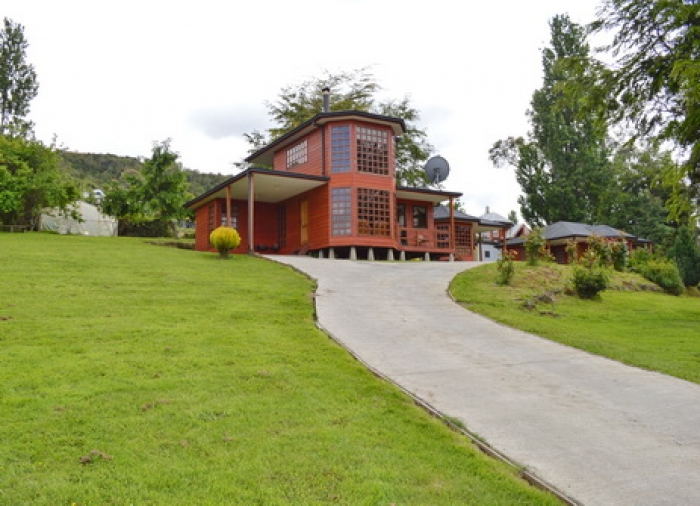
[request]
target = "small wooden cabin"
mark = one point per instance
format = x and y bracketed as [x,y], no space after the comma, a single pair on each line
[559,234]
[328,187]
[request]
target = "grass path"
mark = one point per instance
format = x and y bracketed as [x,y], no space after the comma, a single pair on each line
[137,374]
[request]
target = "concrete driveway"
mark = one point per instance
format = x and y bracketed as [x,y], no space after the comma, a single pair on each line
[599,431]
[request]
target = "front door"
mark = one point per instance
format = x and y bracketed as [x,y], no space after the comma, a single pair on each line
[304,221]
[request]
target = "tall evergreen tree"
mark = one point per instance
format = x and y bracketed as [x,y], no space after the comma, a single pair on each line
[562,166]
[18,81]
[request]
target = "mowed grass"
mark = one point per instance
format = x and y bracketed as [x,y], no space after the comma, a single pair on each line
[140,374]
[646,329]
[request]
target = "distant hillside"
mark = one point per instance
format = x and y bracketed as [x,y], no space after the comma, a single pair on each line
[94,170]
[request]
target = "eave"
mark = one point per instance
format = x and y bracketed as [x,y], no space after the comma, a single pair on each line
[265,155]
[270,186]
[425,194]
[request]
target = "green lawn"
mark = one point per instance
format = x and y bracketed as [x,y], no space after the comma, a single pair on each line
[647,329]
[140,374]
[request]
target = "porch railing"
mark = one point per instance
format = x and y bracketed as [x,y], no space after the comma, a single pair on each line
[423,238]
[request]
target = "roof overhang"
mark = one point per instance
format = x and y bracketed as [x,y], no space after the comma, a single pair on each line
[269,186]
[425,194]
[491,226]
[265,156]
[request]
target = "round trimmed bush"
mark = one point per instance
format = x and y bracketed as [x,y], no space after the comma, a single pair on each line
[589,281]
[224,239]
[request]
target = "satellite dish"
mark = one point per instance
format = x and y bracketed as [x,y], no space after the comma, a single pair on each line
[436,169]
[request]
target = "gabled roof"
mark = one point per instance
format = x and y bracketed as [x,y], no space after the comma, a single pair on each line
[495,217]
[571,230]
[443,213]
[517,231]
[265,155]
[562,229]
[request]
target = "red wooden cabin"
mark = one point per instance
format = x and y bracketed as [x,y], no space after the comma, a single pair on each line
[331,191]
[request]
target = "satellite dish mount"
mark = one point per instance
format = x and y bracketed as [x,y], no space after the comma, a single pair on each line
[436,170]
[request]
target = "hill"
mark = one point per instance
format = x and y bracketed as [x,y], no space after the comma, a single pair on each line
[138,374]
[93,170]
[633,322]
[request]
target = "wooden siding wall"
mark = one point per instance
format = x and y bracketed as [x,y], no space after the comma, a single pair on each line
[201,217]
[313,165]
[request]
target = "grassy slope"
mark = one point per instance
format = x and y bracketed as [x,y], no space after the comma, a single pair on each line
[178,378]
[646,329]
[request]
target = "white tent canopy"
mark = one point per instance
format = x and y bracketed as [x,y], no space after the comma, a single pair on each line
[91,222]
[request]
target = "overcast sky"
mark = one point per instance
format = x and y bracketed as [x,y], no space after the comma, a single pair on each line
[116,76]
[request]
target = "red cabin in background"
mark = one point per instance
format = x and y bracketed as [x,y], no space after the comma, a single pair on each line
[332,191]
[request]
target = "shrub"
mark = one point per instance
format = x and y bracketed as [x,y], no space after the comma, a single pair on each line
[686,254]
[535,246]
[506,268]
[589,281]
[664,273]
[572,251]
[224,239]
[601,248]
[619,254]
[638,258]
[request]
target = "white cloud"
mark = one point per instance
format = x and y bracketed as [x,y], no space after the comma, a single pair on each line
[116,76]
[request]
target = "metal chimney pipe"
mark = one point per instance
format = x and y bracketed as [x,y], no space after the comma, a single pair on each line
[326,92]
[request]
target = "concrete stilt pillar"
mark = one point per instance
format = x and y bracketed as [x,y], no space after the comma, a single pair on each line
[370,255]
[353,253]
[390,255]
[452,257]
[320,253]
[427,256]
[331,253]
[402,256]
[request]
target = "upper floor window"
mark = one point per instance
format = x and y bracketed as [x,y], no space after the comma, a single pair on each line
[297,154]
[372,151]
[340,149]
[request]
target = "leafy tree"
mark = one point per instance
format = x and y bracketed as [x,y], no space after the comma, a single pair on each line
[354,90]
[148,201]
[18,82]
[31,179]
[655,81]
[686,253]
[562,167]
[513,217]
[637,199]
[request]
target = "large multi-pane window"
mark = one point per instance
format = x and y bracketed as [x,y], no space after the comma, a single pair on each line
[372,151]
[341,209]
[340,149]
[373,212]
[297,154]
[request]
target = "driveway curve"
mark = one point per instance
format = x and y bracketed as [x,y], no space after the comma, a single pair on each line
[601,432]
